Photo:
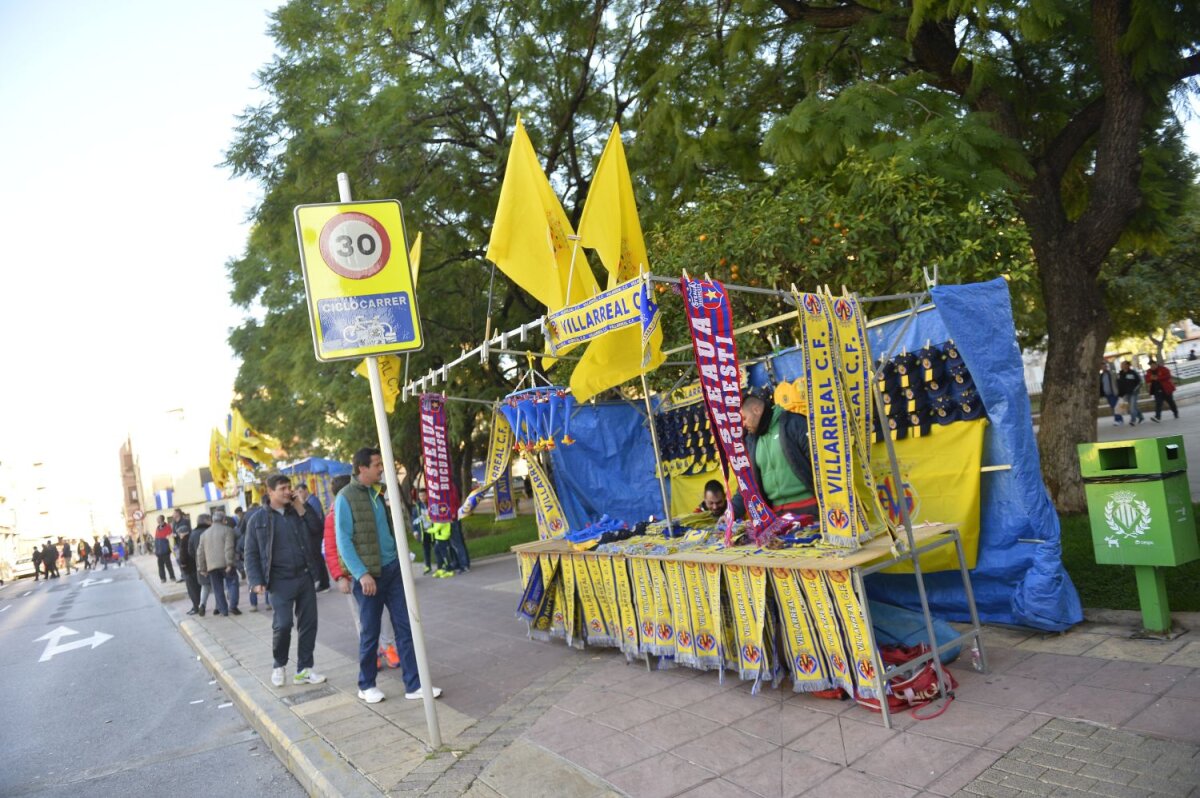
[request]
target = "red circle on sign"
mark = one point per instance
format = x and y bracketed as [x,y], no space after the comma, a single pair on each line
[341,253]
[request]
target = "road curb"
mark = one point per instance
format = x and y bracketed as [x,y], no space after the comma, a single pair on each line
[147,567]
[319,768]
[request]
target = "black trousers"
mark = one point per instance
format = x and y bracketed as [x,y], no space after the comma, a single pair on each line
[193,587]
[1164,398]
[322,574]
[294,601]
[164,567]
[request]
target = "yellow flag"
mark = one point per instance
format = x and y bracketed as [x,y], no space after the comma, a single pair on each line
[220,460]
[414,258]
[390,369]
[529,235]
[610,226]
[609,223]
[244,441]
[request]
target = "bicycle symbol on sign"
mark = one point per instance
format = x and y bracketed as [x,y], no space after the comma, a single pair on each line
[369,332]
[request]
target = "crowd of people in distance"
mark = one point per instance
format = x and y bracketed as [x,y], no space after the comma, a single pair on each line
[1123,390]
[50,559]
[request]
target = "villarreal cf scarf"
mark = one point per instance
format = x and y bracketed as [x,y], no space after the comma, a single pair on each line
[496,470]
[747,599]
[435,445]
[810,669]
[829,423]
[552,522]
[854,630]
[710,320]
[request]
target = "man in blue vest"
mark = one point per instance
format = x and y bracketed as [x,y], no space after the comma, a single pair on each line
[366,546]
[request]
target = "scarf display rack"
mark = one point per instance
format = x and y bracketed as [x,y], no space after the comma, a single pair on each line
[903,545]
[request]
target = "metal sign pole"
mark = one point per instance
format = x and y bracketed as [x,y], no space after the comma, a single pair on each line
[396,504]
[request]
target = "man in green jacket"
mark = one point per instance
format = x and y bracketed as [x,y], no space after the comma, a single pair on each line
[367,549]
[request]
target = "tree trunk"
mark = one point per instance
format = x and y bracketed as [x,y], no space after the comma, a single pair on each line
[1078,324]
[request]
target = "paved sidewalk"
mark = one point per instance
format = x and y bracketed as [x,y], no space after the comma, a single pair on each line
[1090,712]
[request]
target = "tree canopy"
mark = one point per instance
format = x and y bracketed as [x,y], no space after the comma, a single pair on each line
[1025,138]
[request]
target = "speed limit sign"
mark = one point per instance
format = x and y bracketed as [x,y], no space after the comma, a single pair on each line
[355,245]
[358,279]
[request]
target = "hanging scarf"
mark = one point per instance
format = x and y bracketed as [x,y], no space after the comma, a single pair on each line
[710,320]
[435,444]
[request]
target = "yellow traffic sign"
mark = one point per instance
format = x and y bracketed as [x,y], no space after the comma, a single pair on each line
[358,280]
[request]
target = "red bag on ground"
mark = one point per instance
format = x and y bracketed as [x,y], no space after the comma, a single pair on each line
[909,691]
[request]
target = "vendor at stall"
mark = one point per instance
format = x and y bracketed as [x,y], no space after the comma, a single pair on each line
[714,499]
[777,445]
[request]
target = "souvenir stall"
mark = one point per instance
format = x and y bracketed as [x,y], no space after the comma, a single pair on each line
[766,597]
[778,589]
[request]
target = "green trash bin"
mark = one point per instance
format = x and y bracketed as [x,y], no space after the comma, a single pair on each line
[1141,513]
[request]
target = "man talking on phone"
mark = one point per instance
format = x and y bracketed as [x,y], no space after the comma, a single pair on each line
[279,560]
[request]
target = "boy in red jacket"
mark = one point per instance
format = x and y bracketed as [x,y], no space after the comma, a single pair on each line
[387,644]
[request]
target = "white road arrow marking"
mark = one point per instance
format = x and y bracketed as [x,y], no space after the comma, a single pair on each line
[89,582]
[53,647]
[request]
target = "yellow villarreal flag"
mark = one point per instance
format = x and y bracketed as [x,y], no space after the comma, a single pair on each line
[244,441]
[610,226]
[529,235]
[220,459]
[390,369]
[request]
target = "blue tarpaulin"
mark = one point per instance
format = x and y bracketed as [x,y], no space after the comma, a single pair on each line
[610,467]
[316,465]
[1019,578]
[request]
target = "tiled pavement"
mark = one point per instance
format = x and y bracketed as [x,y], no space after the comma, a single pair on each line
[528,719]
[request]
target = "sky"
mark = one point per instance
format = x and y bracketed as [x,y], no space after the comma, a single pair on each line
[117,223]
[114,308]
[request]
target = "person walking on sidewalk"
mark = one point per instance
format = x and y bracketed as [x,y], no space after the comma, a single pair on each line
[215,560]
[1129,385]
[37,564]
[50,559]
[314,506]
[232,586]
[279,560]
[240,536]
[367,548]
[1162,388]
[1108,390]
[66,555]
[162,550]
[187,562]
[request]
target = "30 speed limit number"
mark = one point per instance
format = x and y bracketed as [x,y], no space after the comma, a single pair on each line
[355,245]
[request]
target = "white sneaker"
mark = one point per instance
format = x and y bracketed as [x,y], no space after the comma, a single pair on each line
[418,695]
[308,676]
[277,677]
[372,695]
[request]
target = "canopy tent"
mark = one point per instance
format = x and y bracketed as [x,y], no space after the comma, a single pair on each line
[316,473]
[316,465]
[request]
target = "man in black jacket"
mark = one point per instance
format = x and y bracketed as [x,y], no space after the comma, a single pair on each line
[239,533]
[280,560]
[187,562]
